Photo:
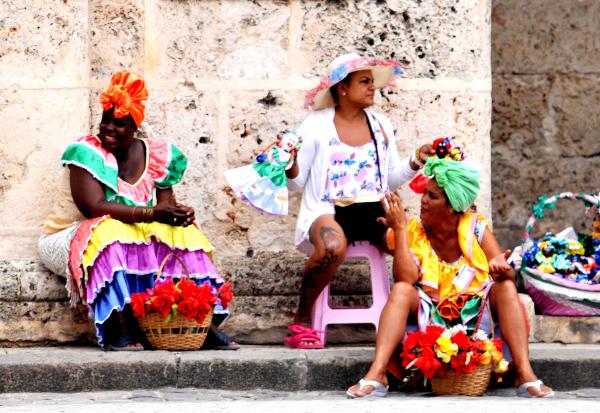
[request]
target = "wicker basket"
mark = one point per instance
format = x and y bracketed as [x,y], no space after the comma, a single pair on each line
[472,384]
[553,295]
[178,333]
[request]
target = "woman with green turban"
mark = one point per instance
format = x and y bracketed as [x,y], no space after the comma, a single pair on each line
[450,260]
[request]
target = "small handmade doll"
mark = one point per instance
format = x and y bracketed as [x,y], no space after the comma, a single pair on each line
[443,150]
[263,184]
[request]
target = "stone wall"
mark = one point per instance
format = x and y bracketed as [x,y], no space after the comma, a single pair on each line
[224,77]
[545,122]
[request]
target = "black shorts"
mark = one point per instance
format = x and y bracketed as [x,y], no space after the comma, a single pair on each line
[359,222]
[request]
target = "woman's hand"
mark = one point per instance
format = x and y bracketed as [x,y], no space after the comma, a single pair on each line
[395,217]
[425,152]
[417,159]
[174,214]
[500,269]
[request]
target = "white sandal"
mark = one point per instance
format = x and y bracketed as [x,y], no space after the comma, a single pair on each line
[379,390]
[522,389]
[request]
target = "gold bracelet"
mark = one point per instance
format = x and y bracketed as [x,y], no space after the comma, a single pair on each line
[133,215]
[146,214]
[418,155]
[150,214]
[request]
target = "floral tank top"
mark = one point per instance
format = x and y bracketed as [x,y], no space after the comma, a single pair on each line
[352,171]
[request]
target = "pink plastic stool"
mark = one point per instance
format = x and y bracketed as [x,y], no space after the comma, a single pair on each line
[323,314]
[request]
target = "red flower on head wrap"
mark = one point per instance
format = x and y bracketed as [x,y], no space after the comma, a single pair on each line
[125,93]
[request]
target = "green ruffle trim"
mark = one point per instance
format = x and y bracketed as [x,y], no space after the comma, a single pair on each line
[90,160]
[176,168]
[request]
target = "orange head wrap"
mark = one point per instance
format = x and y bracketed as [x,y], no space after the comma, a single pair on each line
[125,94]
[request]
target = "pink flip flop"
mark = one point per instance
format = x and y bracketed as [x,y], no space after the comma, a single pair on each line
[301,338]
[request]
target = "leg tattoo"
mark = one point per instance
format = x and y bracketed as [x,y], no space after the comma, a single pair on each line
[330,238]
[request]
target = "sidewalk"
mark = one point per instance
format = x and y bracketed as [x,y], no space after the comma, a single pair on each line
[169,400]
[74,369]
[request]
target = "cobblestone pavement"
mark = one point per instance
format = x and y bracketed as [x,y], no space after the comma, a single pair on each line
[266,401]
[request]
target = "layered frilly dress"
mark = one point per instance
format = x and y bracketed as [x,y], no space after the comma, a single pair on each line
[109,260]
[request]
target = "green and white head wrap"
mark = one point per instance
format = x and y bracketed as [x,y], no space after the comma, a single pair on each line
[459,181]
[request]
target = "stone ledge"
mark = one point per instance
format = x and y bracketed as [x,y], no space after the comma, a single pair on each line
[567,330]
[564,367]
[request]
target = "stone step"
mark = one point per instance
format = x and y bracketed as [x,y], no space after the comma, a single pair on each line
[558,329]
[71,369]
[566,330]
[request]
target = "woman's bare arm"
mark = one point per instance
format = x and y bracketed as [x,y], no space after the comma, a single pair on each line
[500,269]
[404,268]
[89,197]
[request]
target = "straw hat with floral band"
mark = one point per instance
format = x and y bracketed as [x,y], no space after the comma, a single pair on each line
[383,72]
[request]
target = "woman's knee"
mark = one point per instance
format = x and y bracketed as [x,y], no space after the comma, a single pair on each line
[402,290]
[332,255]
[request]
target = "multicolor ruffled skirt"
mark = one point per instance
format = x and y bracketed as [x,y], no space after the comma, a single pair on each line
[110,260]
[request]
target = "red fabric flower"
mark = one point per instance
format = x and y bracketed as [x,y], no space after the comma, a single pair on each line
[411,341]
[421,351]
[498,343]
[428,365]
[163,304]
[188,309]
[185,297]
[226,294]
[461,340]
[434,330]
[138,304]
[460,365]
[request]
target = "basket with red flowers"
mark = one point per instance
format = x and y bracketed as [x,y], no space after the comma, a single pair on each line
[455,362]
[176,314]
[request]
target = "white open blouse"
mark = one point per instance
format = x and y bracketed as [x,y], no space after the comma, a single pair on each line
[316,131]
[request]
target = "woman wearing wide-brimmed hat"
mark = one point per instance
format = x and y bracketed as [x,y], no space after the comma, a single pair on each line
[348,161]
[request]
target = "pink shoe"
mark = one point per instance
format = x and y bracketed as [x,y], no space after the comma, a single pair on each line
[303,338]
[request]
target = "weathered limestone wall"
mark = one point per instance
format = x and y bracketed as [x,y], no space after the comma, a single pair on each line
[546,123]
[224,77]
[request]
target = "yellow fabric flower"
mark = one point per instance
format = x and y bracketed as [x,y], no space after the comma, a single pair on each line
[501,367]
[575,248]
[443,356]
[486,358]
[546,268]
[445,347]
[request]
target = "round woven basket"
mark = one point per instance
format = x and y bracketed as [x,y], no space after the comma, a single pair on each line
[178,334]
[472,384]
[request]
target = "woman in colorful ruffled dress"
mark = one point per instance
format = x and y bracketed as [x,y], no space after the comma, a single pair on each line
[347,162]
[447,259]
[122,186]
